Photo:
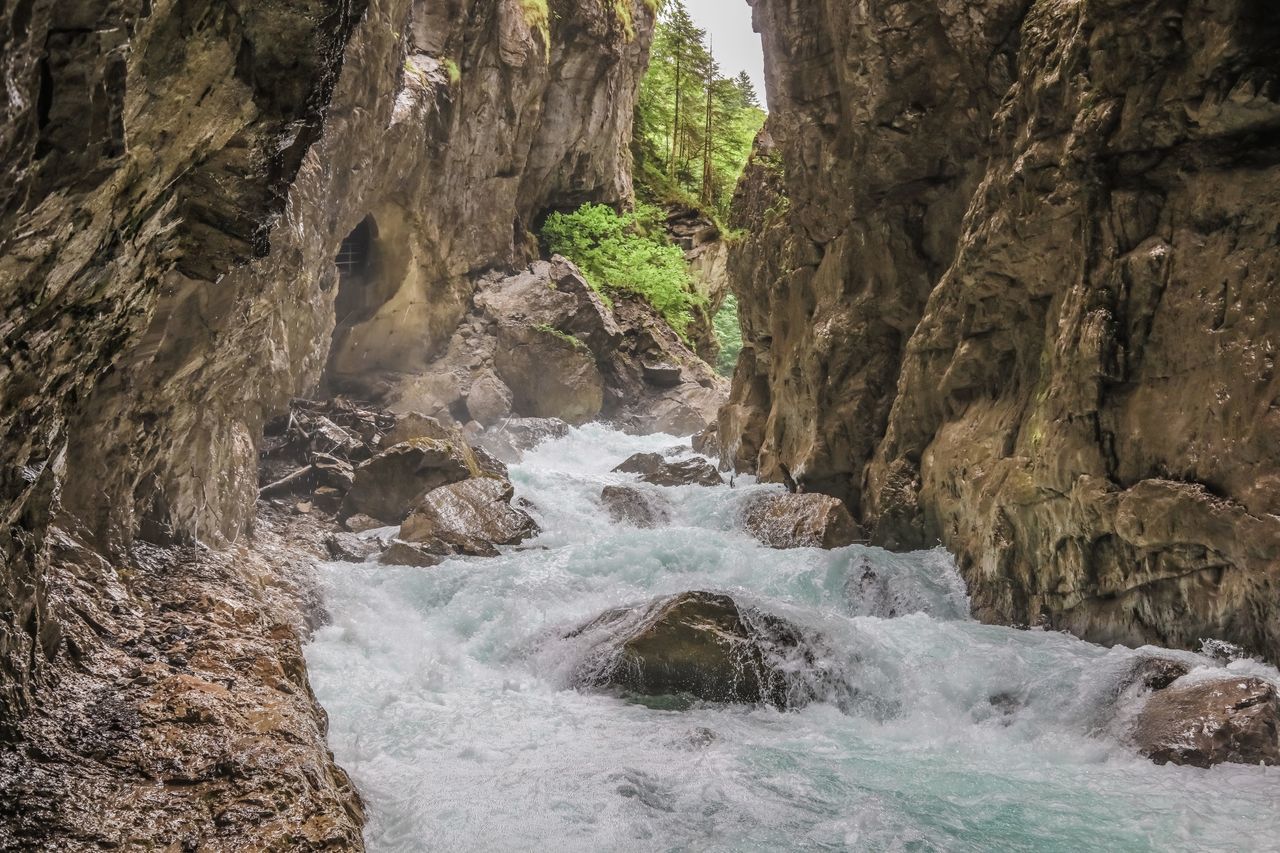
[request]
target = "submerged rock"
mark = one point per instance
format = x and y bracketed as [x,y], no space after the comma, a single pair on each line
[653,468]
[471,517]
[801,521]
[388,485]
[699,644]
[629,505]
[1153,673]
[1203,723]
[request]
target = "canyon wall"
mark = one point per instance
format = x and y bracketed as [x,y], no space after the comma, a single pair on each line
[1010,286]
[176,181]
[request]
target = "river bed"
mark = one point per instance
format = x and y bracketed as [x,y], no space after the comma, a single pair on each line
[451,702]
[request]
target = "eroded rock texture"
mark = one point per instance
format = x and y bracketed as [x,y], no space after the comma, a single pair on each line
[176,179]
[1011,287]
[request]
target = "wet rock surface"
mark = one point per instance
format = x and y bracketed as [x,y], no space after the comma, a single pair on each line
[510,439]
[656,469]
[695,644]
[401,553]
[196,728]
[176,182]
[387,486]
[472,517]
[629,505]
[1218,721]
[801,521]
[980,311]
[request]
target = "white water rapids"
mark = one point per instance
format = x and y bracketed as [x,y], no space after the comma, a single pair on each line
[451,704]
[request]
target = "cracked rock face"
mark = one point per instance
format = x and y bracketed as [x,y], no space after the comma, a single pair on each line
[1010,286]
[176,180]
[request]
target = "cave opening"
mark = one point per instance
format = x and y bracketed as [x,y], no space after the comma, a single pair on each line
[356,267]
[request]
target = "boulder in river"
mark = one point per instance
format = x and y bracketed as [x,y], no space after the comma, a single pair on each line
[351,548]
[1203,723]
[800,521]
[510,439]
[471,517]
[653,468]
[707,441]
[401,553]
[698,644]
[629,505]
[387,486]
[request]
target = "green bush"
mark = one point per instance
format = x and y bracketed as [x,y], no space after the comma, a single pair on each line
[627,254]
[729,334]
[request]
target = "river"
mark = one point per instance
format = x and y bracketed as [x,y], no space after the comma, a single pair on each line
[451,698]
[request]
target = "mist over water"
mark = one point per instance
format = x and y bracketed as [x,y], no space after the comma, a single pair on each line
[451,702]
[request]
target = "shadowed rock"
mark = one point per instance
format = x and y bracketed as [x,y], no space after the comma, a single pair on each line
[800,521]
[653,468]
[472,517]
[388,485]
[1230,720]
[698,644]
[629,505]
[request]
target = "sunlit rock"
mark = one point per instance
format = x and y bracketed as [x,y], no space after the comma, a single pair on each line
[470,517]
[653,468]
[700,645]
[1203,723]
[800,521]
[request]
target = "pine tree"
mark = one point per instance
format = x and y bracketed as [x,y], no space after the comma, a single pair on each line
[747,89]
[693,126]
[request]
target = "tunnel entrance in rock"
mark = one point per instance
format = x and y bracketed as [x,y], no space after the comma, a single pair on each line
[357,268]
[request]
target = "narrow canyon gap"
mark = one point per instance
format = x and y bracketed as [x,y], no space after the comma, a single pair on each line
[310,375]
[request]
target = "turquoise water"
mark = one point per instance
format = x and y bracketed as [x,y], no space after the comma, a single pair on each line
[450,699]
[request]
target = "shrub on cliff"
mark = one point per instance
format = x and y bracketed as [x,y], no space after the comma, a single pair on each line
[627,254]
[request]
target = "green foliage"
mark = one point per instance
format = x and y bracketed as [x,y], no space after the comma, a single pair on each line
[567,338]
[728,329]
[538,17]
[627,254]
[455,73]
[693,127]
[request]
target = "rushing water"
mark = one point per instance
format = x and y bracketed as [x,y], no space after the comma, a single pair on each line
[451,704]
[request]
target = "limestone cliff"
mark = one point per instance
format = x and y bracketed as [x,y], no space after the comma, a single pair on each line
[176,180]
[1016,294]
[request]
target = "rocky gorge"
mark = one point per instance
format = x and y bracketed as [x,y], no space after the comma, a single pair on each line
[1009,286]
[298,411]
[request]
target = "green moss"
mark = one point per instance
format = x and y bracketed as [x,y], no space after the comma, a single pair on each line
[455,73]
[567,338]
[538,16]
[627,254]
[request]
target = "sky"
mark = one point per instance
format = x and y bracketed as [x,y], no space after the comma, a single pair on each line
[737,46]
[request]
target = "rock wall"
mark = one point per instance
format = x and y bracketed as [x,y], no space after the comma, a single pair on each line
[518,116]
[1020,300]
[148,149]
[176,179]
